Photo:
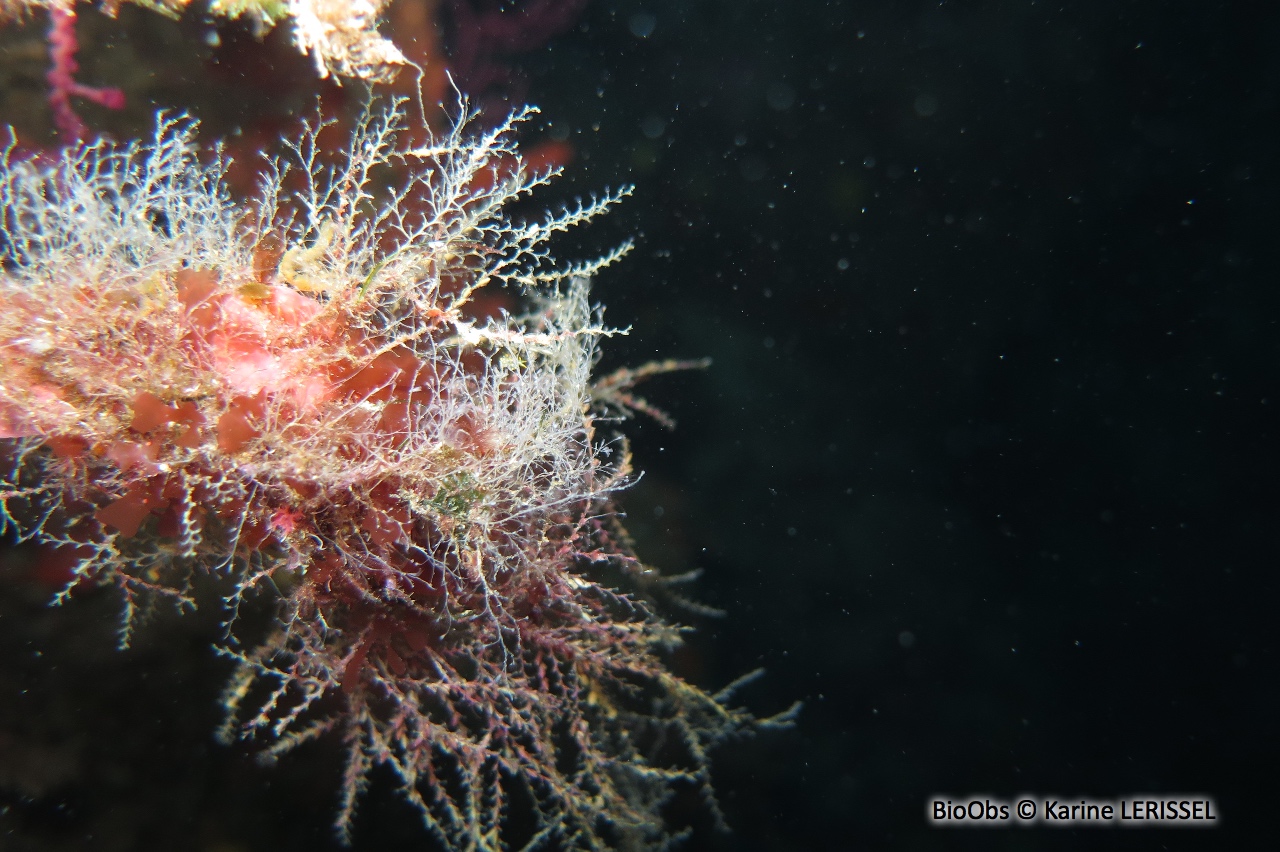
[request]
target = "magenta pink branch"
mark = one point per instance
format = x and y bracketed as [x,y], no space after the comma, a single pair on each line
[63,85]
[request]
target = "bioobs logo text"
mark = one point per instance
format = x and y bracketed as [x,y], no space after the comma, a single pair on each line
[1198,810]
[976,811]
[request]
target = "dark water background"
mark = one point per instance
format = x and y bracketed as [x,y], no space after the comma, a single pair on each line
[985,468]
[984,471]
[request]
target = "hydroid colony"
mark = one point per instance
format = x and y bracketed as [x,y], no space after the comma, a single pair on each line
[298,395]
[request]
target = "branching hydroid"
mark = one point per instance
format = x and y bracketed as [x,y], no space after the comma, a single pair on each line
[302,395]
